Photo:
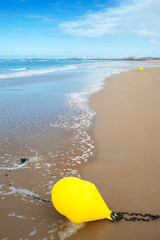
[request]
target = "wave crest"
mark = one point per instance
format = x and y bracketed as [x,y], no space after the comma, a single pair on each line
[27,73]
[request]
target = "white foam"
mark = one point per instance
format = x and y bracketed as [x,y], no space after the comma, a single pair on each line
[79,118]
[70,229]
[18,216]
[21,191]
[33,233]
[27,73]
[64,228]
[15,167]
[17,69]
[12,168]
[47,165]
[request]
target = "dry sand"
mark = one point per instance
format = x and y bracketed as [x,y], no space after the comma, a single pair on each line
[127,166]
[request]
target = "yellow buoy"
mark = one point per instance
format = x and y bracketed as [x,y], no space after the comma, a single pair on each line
[79,201]
[141,69]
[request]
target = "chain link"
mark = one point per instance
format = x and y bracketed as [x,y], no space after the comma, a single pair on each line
[136,217]
[40,199]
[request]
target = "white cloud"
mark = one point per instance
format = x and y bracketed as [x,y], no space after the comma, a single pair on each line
[154,42]
[18,30]
[138,17]
[42,18]
[147,33]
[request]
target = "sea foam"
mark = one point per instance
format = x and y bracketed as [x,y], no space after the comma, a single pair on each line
[27,73]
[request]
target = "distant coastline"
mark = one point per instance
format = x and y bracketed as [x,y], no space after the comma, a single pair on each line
[130,58]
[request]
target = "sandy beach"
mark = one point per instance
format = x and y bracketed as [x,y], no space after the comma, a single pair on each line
[124,167]
[126,170]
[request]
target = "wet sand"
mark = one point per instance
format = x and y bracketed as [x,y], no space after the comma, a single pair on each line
[56,140]
[127,166]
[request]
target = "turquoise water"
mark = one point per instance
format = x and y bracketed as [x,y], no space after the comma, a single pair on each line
[30,67]
[32,99]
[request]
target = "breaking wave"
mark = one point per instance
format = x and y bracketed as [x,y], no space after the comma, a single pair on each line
[23,72]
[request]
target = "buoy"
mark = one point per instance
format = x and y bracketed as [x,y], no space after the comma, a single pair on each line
[141,69]
[79,201]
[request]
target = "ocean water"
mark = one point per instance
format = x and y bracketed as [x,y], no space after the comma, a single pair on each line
[38,97]
[28,67]
[45,117]
[10,68]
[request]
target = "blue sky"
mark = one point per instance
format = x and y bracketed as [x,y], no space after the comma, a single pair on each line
[65,28]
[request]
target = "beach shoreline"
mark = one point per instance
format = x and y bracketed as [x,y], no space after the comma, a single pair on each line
[126,170]
[107,162]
